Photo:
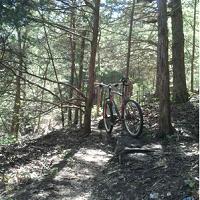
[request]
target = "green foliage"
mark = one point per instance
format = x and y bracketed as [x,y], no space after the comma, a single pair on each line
[53,172]
[94,111]
[14,13]
[8,139]
[27,16]
[71,160]
[192,184]
[167,137]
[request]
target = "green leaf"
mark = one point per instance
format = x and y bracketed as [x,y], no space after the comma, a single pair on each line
[5,179]
[55,171]
[192,184]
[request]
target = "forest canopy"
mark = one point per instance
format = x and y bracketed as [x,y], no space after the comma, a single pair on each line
[49,50]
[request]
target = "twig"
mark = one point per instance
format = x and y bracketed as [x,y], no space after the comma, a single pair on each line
[130,150]
[154,168]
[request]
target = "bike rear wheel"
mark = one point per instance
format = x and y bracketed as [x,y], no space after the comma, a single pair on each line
[108,117]
[133,118]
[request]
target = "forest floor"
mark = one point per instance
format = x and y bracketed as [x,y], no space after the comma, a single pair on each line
[65,165]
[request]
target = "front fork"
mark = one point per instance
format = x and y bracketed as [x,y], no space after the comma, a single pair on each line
[122,110]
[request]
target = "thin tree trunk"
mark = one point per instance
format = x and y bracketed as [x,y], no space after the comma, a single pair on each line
[23,85]
[55,72]
[165,126]
[80,71]
[127,91]
[41,105]
[90,93]
[193,49]
[16,118]
[72,77]
[129,40]
[99,81]
[73,49]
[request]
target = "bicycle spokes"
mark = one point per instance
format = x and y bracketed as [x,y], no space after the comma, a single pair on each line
[108,117]
[133,118]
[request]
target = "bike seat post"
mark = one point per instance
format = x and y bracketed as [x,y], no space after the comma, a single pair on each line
[110,88]
[123,90]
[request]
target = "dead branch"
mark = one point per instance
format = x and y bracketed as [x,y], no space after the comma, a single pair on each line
[44,78]
[61,27]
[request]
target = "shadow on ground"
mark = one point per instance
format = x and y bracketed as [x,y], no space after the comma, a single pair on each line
[64,165]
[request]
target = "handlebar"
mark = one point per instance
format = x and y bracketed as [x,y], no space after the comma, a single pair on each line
[109,85]
[124,81]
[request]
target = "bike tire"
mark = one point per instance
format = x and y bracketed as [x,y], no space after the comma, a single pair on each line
[133,118]
[108,117]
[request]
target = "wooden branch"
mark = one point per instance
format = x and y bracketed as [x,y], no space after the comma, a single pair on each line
[32,83]
[76,106]
[44,78]
[146,41]
[40,101]
[61,27]
[89,5]
[153,21]
[130,150]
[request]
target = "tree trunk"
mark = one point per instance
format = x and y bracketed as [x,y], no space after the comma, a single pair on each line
[127,91]
[80,71]
[129,40]
[49,52]
[42,98]
[72,78]
[157,83]
[73,49]
[193,49]
[180,93]
[99,81]
[90,93]
[16,118]
[165,126]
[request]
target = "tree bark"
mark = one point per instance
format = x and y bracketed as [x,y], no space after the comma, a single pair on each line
[73,49]
[129,40]
[49,52]
[157,83]
[99,81]
[72,77]
[17,106]
[180,94]
[193,49]
[80,71]
[165,126]
[42,98]
[90,93]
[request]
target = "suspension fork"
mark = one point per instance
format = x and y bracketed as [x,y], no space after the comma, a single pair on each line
[108,100]
[105,107]
[122,109]
[123,101]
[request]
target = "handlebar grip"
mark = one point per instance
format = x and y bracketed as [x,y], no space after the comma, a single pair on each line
[116,85]
[125,83]
[124,79]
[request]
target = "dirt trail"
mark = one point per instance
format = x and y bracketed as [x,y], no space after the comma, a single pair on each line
[63,165]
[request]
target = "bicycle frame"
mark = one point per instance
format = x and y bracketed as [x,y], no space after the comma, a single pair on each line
[110,98]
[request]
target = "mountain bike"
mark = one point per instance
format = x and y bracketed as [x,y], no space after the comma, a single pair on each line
[130,113]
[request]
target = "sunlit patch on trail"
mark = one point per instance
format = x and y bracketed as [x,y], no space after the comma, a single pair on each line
[96,156]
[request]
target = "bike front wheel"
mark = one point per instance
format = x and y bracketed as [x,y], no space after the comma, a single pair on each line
[108,116]
[133,118]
